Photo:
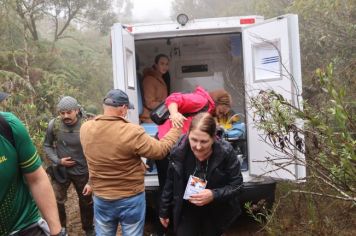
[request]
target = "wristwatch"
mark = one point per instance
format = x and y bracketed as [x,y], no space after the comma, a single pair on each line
[63,232]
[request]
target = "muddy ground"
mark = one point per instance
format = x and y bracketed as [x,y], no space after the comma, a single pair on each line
[244,226]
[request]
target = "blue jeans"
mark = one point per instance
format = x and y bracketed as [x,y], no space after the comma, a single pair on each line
[128,212]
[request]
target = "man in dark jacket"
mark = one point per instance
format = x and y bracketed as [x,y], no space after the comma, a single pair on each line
[63,148]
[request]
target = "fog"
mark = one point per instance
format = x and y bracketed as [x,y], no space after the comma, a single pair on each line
[153,10]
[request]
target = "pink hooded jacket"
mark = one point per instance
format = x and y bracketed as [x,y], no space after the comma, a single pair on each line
[187,103]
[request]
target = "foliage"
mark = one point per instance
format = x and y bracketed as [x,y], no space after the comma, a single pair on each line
[331,128]
[327,30]
[38,70]
[302,214]
[61,14]
[213,8]
[329,132]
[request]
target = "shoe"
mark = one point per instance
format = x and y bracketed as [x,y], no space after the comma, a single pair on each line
[158,234]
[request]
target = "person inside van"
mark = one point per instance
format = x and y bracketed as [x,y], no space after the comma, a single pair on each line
[222,99]
[203,182]
[155,86]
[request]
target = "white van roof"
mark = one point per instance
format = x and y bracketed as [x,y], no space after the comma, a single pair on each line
[208,25]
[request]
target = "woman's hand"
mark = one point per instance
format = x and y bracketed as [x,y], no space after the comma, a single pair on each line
[177,120]
[164,222]
[176,117]
[204,197]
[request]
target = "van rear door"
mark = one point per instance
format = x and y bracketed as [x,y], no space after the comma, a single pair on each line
[124,66]
[271,61]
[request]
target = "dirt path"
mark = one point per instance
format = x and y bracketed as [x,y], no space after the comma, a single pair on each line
[244,226]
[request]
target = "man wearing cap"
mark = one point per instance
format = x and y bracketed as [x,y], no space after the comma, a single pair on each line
[63,148]
[26,194]
[113,147]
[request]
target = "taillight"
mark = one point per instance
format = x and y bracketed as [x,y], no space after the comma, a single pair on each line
[246,21]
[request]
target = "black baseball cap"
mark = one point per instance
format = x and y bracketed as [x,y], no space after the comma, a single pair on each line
[117,97]
[3,96]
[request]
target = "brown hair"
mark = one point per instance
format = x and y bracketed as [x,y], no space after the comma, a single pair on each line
[159,56]
[221,97]
[205,122]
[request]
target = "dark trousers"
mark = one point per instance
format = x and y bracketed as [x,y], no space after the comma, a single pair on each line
[32,230]
[162,167]
[85,202]
[36,231]
[196,221]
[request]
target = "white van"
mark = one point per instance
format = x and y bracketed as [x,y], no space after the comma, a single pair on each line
[239,54]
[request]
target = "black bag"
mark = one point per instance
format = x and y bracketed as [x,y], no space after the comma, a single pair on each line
[160,114]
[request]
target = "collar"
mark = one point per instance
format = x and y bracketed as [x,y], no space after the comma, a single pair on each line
[110,118]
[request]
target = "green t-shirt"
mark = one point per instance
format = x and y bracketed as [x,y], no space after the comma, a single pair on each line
[17,207]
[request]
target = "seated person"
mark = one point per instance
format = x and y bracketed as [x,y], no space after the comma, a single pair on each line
[154,86]
[225,117]
[222,112]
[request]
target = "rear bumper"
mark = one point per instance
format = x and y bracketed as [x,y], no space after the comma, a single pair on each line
[256,191]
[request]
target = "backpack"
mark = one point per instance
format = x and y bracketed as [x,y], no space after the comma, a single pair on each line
[55,124]
[6,131]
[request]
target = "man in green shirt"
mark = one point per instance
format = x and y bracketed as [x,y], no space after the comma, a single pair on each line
[25,190]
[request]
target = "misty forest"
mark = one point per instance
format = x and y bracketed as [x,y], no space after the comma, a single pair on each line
[51,48]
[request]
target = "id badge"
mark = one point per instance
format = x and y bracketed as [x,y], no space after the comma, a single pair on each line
[194,185]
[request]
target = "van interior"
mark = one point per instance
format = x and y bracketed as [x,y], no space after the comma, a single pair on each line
[210,61]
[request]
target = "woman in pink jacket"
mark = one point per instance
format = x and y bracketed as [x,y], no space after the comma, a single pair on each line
[182,108]
[181,104]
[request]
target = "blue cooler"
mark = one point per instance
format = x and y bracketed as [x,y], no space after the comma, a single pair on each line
[150,128]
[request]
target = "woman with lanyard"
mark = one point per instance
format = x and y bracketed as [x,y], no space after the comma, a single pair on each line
[203,182]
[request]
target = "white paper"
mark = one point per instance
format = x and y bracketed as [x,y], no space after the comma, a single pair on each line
[194,185]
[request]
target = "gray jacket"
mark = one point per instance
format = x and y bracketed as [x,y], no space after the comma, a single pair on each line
[62,141]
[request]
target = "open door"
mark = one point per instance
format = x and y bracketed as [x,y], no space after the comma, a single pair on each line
[271,61]
[124,66]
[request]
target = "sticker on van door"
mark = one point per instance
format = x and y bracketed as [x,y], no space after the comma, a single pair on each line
[266,62]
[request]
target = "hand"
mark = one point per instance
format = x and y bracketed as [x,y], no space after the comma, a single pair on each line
[87,190]
[204,197]
[177,119]
[164,222]
[67,162]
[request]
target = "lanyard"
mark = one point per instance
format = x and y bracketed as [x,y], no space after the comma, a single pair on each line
[203,171]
